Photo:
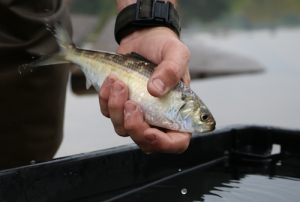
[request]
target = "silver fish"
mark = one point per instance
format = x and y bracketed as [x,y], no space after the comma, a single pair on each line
[180,109]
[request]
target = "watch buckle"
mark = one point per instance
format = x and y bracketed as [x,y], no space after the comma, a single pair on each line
[159,11]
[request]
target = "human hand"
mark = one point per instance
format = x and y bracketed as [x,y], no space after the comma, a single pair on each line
[161,46]
[128,120]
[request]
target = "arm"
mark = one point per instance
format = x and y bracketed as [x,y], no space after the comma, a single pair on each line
[162,46]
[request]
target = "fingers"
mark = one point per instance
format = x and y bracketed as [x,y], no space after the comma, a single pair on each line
[171,141]
[118,97]
[105,92]
[112,96]
[186,78]
[128,119]
[174,66]
[150,139]
[135,125]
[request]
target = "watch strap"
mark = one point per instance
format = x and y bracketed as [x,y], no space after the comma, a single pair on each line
[145,14]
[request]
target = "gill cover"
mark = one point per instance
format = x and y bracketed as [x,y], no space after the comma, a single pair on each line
[186,110]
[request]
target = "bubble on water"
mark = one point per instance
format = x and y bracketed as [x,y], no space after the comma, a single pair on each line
[46,19]
[22,67]
[31,70]
[50,30]
[184,191]
[32,162]
[32,57]
[179,169]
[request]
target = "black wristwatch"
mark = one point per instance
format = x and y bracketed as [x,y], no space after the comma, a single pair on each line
[144,14]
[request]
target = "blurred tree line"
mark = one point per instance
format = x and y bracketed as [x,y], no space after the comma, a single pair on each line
[253,12]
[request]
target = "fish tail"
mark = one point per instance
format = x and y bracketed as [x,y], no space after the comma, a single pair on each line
[66,45]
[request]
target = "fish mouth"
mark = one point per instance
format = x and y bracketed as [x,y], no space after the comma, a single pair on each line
[213,125]
[204,128]
[210,126]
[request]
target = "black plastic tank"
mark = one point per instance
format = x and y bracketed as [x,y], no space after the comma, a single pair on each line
[239,163]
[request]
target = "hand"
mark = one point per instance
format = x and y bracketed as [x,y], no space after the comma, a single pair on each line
[128,120]
[161,46]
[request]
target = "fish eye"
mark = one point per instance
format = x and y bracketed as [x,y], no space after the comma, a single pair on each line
[204,117]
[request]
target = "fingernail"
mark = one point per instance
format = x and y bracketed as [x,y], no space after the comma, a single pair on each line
[151,138]
[109,81]
[129,108]
[159,85]
[117,88]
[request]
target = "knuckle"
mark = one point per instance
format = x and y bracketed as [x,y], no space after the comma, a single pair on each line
[173,71]
[175,147]
[121,132]
[130,125]
[184,145]
[186,52]
[112,105]
[105,113]
[166,147]
[182,149]
[102,97]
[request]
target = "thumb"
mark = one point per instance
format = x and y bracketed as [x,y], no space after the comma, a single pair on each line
[174,65]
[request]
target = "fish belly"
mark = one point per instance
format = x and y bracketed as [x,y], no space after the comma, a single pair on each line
[159,112]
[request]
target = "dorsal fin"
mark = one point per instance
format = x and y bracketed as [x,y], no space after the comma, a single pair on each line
[138,56]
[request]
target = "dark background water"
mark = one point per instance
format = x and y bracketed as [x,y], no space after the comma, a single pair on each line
[224,182]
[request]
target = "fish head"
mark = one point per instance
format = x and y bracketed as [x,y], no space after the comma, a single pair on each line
[194,117]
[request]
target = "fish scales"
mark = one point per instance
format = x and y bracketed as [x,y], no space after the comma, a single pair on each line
[180,109]
[135,73]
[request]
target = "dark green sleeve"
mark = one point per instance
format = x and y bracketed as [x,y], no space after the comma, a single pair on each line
[31,102]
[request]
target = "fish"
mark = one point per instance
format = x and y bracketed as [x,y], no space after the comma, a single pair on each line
[179,110]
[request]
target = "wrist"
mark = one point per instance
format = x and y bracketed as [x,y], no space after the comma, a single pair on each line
[149,33]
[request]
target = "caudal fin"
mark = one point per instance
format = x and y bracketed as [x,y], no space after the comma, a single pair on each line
[65,44]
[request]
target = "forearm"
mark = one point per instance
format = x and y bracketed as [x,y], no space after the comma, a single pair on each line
[124,3]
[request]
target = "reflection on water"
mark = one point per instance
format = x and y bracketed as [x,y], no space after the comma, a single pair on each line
[223,182]
[256,188]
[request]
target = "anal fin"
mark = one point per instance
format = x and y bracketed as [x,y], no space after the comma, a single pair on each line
[88,83]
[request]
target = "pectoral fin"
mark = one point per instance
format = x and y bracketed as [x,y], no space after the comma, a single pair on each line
[170,124]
